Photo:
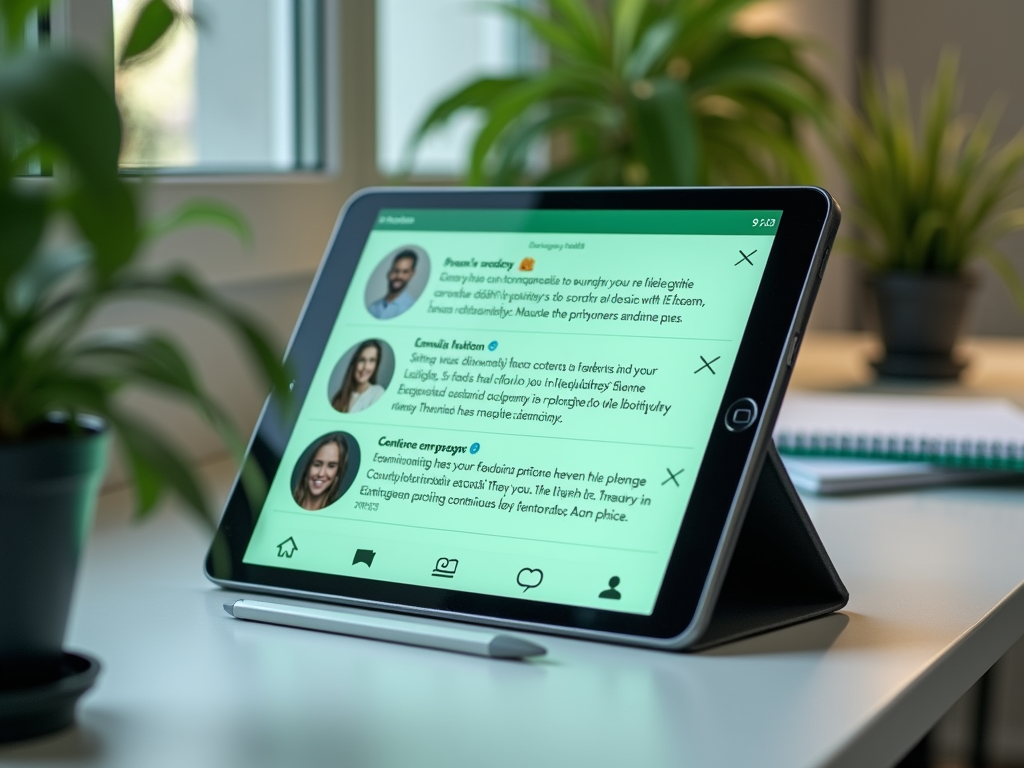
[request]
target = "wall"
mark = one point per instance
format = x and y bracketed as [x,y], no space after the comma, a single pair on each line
[910,34]
[829,25]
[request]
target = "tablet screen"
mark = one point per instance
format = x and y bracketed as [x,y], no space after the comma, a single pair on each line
[517,402]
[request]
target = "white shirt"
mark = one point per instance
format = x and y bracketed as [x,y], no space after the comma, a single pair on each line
[362,401]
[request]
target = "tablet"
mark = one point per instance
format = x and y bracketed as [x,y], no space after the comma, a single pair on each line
[533,408]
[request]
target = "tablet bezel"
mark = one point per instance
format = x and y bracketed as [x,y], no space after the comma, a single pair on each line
[731,461]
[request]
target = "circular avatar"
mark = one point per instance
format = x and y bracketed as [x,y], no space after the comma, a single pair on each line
[361,376]
[397,282]
[325,470]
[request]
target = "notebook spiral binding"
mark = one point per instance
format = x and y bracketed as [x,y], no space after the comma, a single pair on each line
[978,454]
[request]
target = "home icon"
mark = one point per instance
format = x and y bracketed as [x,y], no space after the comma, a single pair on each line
[287,548]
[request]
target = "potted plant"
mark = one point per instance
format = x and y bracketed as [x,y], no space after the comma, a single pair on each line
[59,382]
[643,93]
[928,201]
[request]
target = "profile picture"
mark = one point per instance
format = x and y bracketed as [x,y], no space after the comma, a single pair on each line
[325,470]
[361,376]
[397,282]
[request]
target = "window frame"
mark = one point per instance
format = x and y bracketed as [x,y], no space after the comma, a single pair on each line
[292,212]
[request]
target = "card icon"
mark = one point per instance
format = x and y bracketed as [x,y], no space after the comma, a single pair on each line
[364,556]
[445,567]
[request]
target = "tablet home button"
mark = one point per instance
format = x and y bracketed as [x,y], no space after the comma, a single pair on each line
[741,415]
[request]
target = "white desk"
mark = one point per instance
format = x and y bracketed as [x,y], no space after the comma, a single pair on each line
[935,579]
[936,597]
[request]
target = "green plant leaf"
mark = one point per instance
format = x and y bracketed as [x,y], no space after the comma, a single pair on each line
[626,18]
[14,16]
[740,81]
[505,111]
[197,212]
[131,354]
[155,466]
[153,21]
[479,94]
[759,151]
[599,169]
[22,220]
[937,114]
[44,273]
[666,136]
[582,23]
[928,198]
[603,51]
[566,114]
[151,360]
[1009,275]
[182,286]
[706,26]
[651,51]
[43,386]
[562,42]
[64,102]
[108,217]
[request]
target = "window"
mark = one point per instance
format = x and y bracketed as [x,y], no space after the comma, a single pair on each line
[425,49]
[237,90]
[290,170]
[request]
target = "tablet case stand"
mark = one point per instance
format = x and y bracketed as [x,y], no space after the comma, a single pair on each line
[779,573]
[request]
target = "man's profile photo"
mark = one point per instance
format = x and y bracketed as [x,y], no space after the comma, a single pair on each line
[397,282]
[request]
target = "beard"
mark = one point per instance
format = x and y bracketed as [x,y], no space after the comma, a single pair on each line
[396,285]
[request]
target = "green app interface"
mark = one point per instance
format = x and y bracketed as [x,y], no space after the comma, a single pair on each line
[516,403]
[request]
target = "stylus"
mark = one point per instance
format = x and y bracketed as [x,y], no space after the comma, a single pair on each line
[479,642]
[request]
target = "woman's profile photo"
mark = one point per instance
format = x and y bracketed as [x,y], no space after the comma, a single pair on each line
[361,376]
[397,281]
[324,471]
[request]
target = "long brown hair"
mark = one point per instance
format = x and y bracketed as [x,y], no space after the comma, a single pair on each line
[328,497]
[341,401]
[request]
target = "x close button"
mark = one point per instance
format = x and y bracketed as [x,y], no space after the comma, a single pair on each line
[741,415]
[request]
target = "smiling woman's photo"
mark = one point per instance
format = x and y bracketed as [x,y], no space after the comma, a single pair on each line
[361,376]
[324,471]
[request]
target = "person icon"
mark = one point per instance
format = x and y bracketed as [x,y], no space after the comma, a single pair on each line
[398,298]
[612,593]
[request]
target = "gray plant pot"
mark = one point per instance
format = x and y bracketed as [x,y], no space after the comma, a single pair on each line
[48,488]
[920,318]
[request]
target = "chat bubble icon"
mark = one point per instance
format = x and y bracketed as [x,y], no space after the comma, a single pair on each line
[530,578]
[364,556]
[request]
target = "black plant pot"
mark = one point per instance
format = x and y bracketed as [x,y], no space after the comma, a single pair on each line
[921,316]
[48,488]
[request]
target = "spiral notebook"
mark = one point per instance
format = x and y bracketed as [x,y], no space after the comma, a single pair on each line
[949,431]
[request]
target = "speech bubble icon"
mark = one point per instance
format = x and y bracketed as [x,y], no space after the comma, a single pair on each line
[530,578]
[364,556]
